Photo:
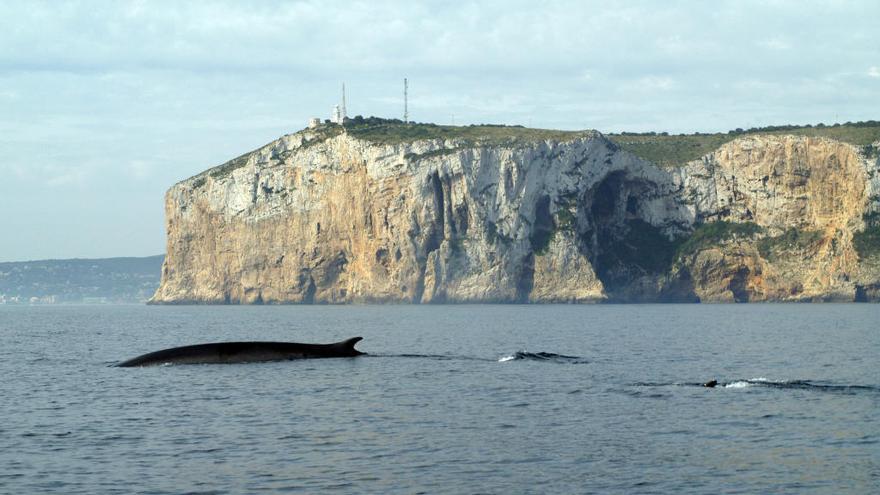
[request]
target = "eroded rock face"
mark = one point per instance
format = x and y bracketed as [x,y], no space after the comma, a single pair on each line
[817,190]
[312,220]
[779,182]
[318,218]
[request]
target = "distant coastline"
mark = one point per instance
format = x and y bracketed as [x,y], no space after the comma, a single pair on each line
[122,280]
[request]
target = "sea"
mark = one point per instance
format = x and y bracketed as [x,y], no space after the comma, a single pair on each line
[450,399]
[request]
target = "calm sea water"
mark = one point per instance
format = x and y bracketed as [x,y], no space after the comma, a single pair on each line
[452,399]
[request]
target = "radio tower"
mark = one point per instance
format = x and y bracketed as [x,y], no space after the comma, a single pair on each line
[405,103]
[342,110]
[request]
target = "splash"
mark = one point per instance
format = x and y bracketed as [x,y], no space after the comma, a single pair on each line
[542,356]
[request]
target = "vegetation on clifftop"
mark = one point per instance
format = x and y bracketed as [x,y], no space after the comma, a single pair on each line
[393,131]
[672,150]
[660,148]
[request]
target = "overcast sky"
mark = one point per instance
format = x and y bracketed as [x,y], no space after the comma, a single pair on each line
[104,105]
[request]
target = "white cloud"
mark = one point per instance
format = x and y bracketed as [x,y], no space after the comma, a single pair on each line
[874,72]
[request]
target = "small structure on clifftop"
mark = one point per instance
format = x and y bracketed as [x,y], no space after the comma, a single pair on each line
[339,110]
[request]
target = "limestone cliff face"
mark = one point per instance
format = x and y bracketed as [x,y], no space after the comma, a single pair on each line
[810,195]
[333,220]
[318,217]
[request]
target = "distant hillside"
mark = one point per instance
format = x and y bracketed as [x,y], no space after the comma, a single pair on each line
[670,150]
[108,280]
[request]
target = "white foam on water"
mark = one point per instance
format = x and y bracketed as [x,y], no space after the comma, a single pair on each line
[752,382]
[504,359]
[738,384]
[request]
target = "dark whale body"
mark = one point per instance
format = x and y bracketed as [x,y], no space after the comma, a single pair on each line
[245,352]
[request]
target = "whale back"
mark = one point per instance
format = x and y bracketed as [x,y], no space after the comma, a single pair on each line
[245,352]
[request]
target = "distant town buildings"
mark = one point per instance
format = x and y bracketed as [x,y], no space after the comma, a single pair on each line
[7,299]
[77,281]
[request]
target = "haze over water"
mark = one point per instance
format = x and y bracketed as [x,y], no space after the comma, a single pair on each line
[451,399]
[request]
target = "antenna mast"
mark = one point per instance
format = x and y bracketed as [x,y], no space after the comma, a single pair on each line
[343,105]
[405,103]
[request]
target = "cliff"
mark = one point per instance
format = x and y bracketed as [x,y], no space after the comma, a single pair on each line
[806,199]
[393,213]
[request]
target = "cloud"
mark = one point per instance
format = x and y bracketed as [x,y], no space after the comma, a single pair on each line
[874,72]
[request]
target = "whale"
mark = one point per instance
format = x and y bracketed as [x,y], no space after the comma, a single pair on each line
[711,383]
[244,352]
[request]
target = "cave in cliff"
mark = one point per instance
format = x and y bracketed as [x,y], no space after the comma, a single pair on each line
[623,246]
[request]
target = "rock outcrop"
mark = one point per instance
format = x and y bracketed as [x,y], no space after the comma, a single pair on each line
[809,196]
[322,216]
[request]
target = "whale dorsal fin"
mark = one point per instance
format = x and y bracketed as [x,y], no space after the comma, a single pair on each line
[349,344]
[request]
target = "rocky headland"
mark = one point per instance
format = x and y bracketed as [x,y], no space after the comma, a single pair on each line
[379,211]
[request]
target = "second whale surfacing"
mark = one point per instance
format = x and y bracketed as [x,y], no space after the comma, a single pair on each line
[244,352]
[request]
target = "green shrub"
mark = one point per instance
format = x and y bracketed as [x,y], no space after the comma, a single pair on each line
[431,154]
[393,131]
[867,242]
[793,239]
[675,150]
[714,233]
[643,246]
[541,240]
[565,219]
[647,247]
[228,167]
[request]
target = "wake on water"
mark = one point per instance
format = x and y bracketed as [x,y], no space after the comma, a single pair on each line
[761,382]
[549,357]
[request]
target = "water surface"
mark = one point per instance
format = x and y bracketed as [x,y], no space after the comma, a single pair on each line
[451,399]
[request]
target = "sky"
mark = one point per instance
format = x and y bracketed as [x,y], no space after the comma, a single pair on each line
[105,105]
